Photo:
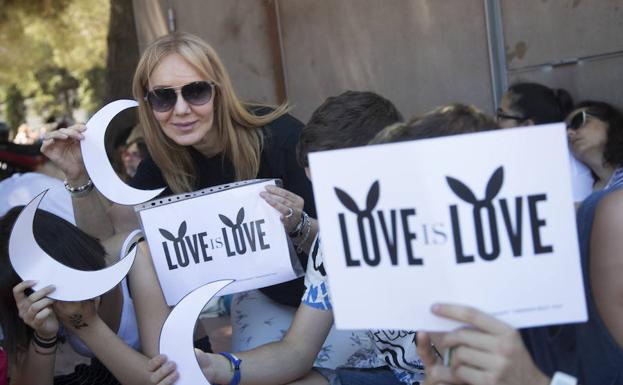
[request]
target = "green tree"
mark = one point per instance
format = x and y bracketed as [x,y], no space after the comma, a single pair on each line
[66,37]
[15,110]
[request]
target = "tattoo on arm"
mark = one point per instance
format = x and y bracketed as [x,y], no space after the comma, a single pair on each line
[77,322]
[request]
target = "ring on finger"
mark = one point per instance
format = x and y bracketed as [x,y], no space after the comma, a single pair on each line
[290,212]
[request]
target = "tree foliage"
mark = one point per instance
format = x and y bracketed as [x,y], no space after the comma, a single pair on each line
[51,49]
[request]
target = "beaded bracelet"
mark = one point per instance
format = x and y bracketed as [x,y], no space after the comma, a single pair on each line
[298,231]
[45,343]
[300,242]
[79,191]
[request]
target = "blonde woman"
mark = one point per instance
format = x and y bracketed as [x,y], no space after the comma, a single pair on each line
[200,134]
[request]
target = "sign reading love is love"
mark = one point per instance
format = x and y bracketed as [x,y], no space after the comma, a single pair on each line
[483,219]
[223,232]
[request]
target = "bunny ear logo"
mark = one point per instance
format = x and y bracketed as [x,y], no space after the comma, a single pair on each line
[167,235]
[495,183]
[373,197]
[346,200]
[461,190]
[181,231]
[240,216]
[226,220]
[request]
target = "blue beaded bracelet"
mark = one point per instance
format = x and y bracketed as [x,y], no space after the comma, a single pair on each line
[235,364]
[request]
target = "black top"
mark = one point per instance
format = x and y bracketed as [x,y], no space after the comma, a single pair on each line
[278,160]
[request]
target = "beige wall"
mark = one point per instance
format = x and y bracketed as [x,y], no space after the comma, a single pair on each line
[418,53]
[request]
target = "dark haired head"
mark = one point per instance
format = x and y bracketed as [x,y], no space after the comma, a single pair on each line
[450,120]
[62,241]
[613,117]
[348,120]
[538,103]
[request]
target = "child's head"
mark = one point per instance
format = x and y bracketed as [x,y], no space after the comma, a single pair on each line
[449,120]
[348,120]
[58,238]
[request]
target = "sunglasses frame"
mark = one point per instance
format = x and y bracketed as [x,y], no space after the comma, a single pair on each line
[585,116]
[179,91]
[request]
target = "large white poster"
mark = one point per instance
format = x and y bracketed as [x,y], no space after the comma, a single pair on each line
[483,219]
[224,232]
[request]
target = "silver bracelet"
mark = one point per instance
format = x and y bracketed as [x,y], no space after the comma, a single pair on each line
[80,191]
[304,237]
[298,231]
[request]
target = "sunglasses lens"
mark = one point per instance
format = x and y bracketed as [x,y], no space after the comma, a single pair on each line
[197,93]
[162,99]
[577,121]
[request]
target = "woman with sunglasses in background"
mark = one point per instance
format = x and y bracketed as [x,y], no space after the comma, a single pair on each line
[200,134]
[529,104]
[595,131]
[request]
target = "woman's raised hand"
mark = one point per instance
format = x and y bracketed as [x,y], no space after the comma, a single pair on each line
[62,147]
[36,309]
[289,205]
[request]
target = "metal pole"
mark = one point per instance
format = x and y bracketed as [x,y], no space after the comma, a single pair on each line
[497,54]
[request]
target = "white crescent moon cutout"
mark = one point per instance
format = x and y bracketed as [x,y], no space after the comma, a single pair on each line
[176,336]
[96,161]
[30,262]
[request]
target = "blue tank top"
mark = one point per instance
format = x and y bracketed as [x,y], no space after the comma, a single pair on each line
[586,351]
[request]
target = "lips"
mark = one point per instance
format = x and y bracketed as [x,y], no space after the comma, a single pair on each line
[184,126]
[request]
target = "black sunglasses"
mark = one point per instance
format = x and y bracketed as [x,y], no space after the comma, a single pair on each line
[195,93]
[499,114]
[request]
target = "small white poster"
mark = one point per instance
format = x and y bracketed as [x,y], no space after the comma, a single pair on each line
[223,232]
[483,219]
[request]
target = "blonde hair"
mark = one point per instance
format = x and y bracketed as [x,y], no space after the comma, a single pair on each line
[240,139]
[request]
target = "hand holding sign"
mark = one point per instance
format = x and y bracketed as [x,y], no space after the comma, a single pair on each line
[488,348]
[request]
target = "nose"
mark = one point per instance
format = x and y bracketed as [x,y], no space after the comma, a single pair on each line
[181,106]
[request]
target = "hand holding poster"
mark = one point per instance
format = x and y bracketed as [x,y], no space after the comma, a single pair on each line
[484,220]
[223,232]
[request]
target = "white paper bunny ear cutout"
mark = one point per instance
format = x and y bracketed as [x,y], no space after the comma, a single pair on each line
[176,336]
[96,161]
[30,262]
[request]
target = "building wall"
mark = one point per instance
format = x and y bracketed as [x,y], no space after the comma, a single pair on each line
[418,53]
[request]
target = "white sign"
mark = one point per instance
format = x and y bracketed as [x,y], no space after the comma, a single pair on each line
[96,161]
[31,262]
[176,336]
[223,232]
[483,219]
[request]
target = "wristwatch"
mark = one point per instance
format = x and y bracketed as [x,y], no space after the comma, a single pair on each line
[561,378]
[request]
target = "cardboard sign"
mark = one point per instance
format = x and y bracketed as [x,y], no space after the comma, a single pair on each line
[483,219]
[223,232]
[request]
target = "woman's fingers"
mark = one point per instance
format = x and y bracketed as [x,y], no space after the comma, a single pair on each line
[472,316]
[37,306]
[469,337]
[42,293]
[156,362]
[18,290]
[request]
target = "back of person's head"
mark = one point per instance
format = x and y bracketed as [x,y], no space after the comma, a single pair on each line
[613,117]
[233,121]
[449,120]
[540,103]
[348,120]
[59,239]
